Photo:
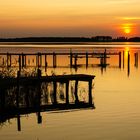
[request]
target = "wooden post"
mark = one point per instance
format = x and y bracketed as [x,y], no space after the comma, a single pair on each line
[39,118]
[17,92]
[39,89]
[18,122]
[19,62]
[40,60]
[67,92]
[119,59]
[90,92]
[37,61]
[25,60]
[71,56]
[76,92]
[86,59]
[54,92]
[22,60]
[46,64]
[54,60]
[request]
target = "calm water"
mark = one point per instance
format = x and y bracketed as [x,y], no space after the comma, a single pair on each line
[116,95]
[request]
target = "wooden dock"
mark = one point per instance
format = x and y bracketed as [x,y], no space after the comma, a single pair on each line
[20,90]
[41,58]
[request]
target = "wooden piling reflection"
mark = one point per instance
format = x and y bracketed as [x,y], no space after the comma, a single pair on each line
[128,64]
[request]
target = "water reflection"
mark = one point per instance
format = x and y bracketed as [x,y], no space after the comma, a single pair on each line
[28,96]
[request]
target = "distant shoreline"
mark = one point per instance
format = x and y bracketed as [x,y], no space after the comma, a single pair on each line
[69,43]
[69,40]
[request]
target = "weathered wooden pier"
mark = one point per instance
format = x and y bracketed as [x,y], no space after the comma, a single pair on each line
[21,89]
[24,95]
[41,59]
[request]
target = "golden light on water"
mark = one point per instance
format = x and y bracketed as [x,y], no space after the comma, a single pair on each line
[127,49]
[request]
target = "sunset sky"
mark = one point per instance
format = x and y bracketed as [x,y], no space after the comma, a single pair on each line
[25,18]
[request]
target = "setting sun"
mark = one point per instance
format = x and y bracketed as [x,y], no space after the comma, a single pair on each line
[127,30]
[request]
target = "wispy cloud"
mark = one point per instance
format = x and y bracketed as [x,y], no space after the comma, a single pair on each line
[128,18]
[131,18]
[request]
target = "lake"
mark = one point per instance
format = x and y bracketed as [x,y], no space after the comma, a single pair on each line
[116,96]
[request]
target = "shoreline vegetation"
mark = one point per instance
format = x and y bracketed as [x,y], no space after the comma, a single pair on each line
[67,40]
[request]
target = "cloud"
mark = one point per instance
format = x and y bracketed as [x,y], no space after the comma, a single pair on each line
[130,18]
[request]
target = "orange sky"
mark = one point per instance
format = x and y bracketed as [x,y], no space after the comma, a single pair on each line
[22,18]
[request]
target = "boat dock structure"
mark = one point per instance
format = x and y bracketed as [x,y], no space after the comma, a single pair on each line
[24,95]
[44,92]
[40,59]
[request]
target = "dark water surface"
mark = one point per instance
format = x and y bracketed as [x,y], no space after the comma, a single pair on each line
[116,93]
